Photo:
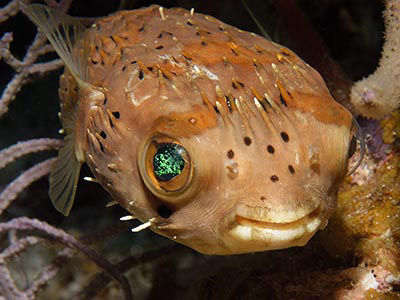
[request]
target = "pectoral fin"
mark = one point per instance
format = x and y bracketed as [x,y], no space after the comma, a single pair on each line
[64,177]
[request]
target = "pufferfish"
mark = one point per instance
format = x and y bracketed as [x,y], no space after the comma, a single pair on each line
[211,136]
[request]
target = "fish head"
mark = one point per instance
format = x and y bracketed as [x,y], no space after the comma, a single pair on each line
[223,182]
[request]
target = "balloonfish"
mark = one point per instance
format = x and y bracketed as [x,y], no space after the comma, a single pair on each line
[214,137]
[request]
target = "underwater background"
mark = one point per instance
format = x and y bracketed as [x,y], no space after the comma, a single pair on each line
[356,257]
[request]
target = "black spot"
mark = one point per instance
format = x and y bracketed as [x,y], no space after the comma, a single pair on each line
[116,114]
[291,169]
[262,198]
[141,28]
[189,23]
[141,75]
[284,136]
[209,33]
[230,154]
[133,62]
[105,101]
[271,149]
[221,28]
[263,106]
[197,33]
[241,83]
[101,146]
[150,69]
[234,85]
[112,38]
[247,140]
[160,36]
[94,62]
[203,43]
[274,178]
[123,68]
[160,47]
[216,109]
[283,102]
[103,135]
[164,211]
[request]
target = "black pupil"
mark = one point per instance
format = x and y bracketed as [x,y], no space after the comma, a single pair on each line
[168,161]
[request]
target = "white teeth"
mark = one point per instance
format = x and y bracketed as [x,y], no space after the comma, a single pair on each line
[127,218]
[143,226]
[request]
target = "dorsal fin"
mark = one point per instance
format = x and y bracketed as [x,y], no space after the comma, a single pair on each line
[67,35]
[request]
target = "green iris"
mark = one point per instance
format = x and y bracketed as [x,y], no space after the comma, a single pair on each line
[168,162]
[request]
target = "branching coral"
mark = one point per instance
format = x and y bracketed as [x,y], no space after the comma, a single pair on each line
[379,93]
[24,69]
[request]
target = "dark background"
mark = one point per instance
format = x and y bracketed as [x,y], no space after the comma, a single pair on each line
[351,29]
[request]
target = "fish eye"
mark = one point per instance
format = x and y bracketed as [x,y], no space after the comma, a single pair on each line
[168,161]
[165,166]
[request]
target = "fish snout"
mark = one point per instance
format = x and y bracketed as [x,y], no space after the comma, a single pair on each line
[265,228]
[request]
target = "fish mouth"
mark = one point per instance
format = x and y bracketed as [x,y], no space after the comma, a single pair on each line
[256,235]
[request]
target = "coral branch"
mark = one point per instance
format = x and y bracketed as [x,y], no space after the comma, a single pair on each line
[11,9]
[379,93]
[10,154]
[12,190]
[27,67]
[101,279]
[42,68]
[7,285]
[49,272]
[69,241]
[5,53]
[19,246]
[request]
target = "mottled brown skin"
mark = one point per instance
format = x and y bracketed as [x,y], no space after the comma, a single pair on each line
[179,75]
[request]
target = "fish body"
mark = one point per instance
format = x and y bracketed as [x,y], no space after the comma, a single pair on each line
[217,138]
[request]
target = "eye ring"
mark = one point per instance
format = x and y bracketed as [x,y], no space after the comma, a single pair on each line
[166,167]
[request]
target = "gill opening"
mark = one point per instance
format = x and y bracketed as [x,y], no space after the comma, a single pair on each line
[359,135]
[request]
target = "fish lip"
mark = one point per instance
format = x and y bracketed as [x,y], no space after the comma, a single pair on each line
[249,235]
[246,221]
